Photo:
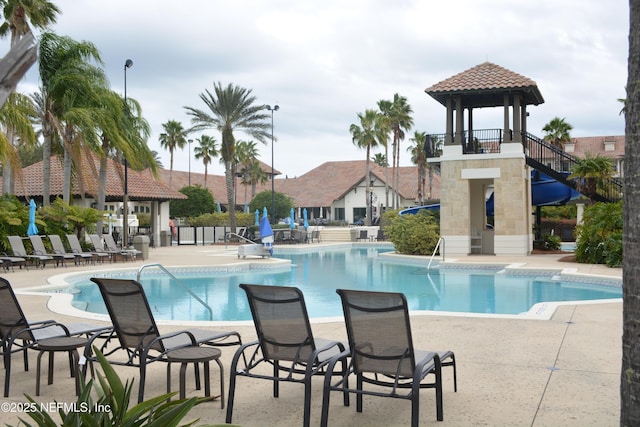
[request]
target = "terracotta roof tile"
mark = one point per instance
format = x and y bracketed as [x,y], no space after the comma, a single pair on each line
[486,78]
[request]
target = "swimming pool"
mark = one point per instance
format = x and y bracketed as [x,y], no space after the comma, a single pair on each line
[491,290]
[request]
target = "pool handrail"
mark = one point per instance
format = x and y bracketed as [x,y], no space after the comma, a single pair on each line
[441,239]
[161,267]
[226,238]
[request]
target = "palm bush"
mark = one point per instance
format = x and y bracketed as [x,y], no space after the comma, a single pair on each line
[599,235]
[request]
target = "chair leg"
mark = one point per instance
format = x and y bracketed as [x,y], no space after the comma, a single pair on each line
[196,370]
[183,386]
[221,383]
[7,372]
[307,401]
[232,386]
[143,374]
[415,405]
[276,383]
[359,395]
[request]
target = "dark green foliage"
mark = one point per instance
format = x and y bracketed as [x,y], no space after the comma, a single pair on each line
[200,201]
[221,219]
[413,234]
[549,242]
[263,199]
[599,236]
[14,219]
[112,403]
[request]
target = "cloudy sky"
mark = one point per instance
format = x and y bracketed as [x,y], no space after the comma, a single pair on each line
[324,62]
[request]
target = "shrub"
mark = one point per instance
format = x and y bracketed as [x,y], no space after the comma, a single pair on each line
[413,234]
[599,236]
[200,200]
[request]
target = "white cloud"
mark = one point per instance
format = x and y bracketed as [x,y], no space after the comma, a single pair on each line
[324,62]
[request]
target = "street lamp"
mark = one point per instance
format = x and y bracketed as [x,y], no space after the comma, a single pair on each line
[189,141]
[125,199]
[273,191]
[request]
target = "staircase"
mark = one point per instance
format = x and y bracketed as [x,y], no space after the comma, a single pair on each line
[556,163]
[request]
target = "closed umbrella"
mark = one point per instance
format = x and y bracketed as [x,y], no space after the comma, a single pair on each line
[33,229]
[246,208]
[264,212]
[257,217]
[304,218]
[218,208]
[266,233]
[292,223]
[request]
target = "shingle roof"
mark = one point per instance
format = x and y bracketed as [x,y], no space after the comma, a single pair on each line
[140,185]
[484,86]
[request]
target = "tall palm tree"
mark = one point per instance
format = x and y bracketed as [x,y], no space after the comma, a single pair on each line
[557,132]
[629,379]
[398,113]
[257,175]
[19,13]
[368,134]
[419,158]
[173,137]
[62,64]
[229,109]
[591,173]
[207,151]
[385,109]
[16,123]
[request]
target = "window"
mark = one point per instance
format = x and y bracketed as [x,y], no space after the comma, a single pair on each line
[338,214]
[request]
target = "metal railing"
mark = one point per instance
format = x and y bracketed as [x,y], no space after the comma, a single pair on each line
[182,285]
[435,250]
[229,234]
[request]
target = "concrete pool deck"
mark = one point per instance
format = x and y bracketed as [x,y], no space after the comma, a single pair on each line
[511,372]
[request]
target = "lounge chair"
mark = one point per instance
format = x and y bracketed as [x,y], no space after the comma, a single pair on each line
[135,332]
[110,243]
[285,344]
[19,335]
[363,235]
[382,354]
[39,249]
[98,247]
[12,261]
[17,247]
[76,248]
[58,248]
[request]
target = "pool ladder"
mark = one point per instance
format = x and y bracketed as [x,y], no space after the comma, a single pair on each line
[182,285]
[441,239]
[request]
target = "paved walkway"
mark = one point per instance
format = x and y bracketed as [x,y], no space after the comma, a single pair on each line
[512,372]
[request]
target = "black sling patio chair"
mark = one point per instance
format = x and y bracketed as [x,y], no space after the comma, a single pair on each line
[285,343]
[18,249]
[136,336]
[382,354]
[19,335]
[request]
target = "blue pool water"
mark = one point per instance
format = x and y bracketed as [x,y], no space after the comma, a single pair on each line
[320,273]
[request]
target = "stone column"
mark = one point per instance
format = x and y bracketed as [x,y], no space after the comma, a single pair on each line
[506,134]
[517,136]
[459,121]
[448,137]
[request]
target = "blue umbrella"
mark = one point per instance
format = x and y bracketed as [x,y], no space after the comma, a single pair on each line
[33,229]
[264,212]
[218,208]
[257,217]
[246,208]
[266,233]
[292,222]
[304,218]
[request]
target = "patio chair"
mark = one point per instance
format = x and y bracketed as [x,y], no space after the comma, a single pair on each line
[12,261]
[76,248]
[110,243]
[39,249]
[382,354]
[19,335]
[17,247]
[138,336]
[364,235]
[58,248]
[285,344]
[98,247]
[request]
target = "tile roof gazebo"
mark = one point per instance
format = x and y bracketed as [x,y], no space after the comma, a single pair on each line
[485,85]
[469,172]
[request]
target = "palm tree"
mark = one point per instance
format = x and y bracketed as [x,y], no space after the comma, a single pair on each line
[257,175]
[19,13]
[591,173]
[16,123]
[62,64]
[385,108]
[368,134]
[419,158]
[557,132]
[246,155]
[231,108]
[207,151]
[380,160]
[398,113]
[629,379]
[173,137]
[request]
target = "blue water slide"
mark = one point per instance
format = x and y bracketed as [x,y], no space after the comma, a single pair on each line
[545,191]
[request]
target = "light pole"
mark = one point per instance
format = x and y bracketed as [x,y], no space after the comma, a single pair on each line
[273,188]
[189,141]
[125,199]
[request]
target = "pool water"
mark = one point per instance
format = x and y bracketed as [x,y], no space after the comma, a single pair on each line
[320,273]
